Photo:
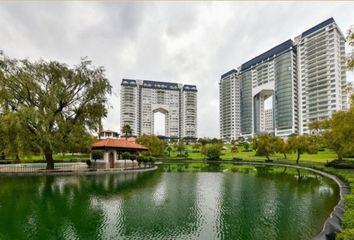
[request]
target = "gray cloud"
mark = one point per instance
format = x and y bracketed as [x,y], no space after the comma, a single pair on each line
[192,42]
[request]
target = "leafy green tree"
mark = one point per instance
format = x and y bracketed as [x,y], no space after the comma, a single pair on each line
[169,149]
[96,154]
[350,41]
[211,151]
[246,146]
[180,147]
[204,141]
[216,141]
[265,144]
[140,159]
[234,149]
[281,146]
[127,130]
[196,146]
[51,99]
[78,141]
[155,146]
[302,144]
[125,155]
[14,141]
[338,132]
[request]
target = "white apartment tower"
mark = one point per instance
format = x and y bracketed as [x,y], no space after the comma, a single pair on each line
[268,120]
[229,94]
[141,99]
[305,80]
[322,72]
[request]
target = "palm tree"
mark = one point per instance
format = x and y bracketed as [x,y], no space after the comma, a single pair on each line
[126,130]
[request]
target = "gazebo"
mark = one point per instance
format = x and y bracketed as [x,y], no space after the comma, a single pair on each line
[113,148]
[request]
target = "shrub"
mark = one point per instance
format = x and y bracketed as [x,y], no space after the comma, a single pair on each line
[346,234]
[132,157]
[212,151]
[125,155]
[97,154]
[140,159]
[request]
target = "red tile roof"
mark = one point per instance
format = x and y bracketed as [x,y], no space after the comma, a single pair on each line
[118,143]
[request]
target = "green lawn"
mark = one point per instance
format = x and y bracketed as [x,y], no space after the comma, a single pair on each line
[57,157]
[322,156]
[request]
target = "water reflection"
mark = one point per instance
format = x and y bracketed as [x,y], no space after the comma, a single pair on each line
[242,203]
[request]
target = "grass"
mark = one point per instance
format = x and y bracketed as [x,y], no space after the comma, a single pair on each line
[322,156]
[57,157]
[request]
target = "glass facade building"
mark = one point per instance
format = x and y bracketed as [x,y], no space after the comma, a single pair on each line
[300,81]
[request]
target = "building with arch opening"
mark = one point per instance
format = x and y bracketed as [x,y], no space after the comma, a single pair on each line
[141,99]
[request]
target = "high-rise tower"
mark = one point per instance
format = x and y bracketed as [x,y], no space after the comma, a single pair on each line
[322,73]
[305,80]
[229,94]
[141,99]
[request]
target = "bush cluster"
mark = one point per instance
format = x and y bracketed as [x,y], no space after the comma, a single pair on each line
[139,159]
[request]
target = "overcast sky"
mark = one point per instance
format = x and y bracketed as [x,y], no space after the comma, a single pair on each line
[191,43]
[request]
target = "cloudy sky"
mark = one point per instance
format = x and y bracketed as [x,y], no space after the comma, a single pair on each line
[192,42]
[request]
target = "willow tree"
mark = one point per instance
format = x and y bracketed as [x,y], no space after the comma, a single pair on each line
[52,100]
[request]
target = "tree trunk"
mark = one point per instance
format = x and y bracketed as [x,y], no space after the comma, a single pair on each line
[267,155]
[298,157]
[285,156]
[48,153]
[340,156]
[17,158]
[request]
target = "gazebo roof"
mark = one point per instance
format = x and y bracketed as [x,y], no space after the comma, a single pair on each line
[118,143]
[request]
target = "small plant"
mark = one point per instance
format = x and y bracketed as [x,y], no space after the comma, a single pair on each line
[140,159]
[125,155]
[95,155]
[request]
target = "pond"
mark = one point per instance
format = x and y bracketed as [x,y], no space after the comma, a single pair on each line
[187,201]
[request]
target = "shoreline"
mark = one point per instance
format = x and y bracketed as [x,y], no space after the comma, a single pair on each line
[77,172]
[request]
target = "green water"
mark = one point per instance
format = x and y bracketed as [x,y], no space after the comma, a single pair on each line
[243,203]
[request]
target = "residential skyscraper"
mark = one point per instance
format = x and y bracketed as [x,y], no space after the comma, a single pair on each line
[141,99]
[322,72]
[230,105]
[268,120]
[301,81]
[270,75]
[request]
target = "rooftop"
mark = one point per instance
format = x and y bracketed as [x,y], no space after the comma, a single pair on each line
[117,143]
[128,82]
[229,73]
[191,88]
[270,53]
[317,27]
[162,85]
[158,84]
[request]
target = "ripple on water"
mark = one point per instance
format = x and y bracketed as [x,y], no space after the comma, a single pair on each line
[204,206]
